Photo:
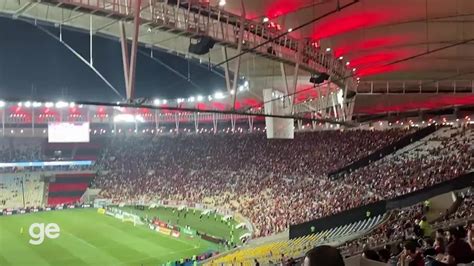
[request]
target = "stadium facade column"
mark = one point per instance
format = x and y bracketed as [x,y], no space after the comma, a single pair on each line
[32,121]
[133,56]
[214,122]
[130,61]
[176,119]
[299,56]
[232,122]
[157,121]
[3,120]
[251,119]
[299,122]
[325,103]
[334,105]
[196,121]
[344,100]
[125,58]
[232,87]
[284,78]
[313,122]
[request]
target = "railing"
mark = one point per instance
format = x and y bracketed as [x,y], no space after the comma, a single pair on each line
[416,86]
[223,27]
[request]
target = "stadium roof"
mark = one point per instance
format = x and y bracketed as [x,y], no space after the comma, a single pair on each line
[372,33]
[397,47]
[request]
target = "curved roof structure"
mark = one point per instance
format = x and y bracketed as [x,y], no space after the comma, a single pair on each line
[371,34]
[397,48]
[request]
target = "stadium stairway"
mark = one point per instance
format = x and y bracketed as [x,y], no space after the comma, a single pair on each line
[271,253]
[68,187]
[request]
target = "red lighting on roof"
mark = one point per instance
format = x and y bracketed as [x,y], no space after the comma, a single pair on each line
[368,44]
[282,7]
[339,24]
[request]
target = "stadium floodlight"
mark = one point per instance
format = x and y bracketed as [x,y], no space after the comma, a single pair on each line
[209,98]
[28,104]
[200,98]
[191,99]
[2,104]
[354,69]
[72,104]
[290,29]
[156,102]
[20,104]
[61,104]
[265,20]
[341,57]
[222,2]
[180,100]
[241,88]
[348,63]
[328,49]
[165,101]
[37,104]
[219,95]
[232,92]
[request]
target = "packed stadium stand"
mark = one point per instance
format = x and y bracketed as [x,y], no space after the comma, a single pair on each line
[274,183]
[20,149]
[225,171]
[203,168]
[441,156]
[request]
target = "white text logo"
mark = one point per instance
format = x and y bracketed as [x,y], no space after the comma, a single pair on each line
[39,230]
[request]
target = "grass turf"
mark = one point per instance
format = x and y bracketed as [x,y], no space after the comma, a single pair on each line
[209,224]
[89,238]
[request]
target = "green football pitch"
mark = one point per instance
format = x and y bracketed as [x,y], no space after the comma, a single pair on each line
[89,238]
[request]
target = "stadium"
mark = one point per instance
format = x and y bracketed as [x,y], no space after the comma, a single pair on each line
[220,132]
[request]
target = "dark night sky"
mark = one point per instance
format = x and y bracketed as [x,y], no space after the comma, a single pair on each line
[35,65]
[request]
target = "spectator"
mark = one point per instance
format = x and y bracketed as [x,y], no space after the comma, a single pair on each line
[458,251]
[323,256]
[410,255]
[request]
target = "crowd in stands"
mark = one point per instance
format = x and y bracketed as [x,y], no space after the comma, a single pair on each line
[440,158]
[400,225]
[19,150]
[243,172]
[274,183]
[407,235]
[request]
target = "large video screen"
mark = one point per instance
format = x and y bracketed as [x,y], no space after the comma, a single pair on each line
[66,132]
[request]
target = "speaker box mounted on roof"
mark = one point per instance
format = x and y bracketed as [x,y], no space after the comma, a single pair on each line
[319,79]
[201,45]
